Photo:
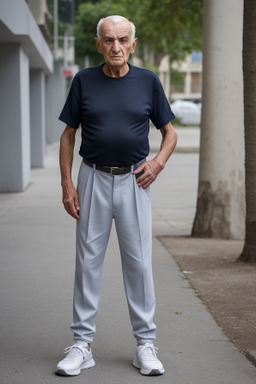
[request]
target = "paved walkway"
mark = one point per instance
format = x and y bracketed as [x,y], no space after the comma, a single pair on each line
[36,282]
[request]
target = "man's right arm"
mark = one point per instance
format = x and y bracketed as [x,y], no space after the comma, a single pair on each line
[70,197]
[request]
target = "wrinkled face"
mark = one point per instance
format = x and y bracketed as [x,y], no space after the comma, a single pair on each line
[115,42]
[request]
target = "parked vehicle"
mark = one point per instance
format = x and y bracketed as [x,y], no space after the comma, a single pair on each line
[187,112]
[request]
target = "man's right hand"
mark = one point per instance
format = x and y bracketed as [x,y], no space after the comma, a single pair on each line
[70,200]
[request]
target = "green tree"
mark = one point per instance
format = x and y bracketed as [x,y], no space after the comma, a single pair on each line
[165,26]
[87,18]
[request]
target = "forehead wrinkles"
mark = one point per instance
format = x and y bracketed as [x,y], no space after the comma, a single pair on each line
[116,30]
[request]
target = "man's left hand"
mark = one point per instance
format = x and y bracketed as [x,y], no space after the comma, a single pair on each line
[150,170]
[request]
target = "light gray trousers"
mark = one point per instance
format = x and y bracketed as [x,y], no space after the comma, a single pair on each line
[104,197]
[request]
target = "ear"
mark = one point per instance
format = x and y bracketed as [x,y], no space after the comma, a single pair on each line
[98,44]
[134,45]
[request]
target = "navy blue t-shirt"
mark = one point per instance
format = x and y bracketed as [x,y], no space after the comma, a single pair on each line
[114,113]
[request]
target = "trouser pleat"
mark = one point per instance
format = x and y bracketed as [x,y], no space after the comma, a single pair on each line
[104,198]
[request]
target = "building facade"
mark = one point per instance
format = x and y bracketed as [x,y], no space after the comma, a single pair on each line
[26,73]
[191,86]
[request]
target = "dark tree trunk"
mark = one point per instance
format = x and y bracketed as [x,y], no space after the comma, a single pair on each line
[249,72]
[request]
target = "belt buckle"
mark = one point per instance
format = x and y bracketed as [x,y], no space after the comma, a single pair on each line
[111,170]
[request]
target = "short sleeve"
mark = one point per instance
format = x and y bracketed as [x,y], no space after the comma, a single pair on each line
[71,112]
[161,113]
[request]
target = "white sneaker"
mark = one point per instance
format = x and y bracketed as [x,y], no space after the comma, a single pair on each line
[78,357]
[147,361]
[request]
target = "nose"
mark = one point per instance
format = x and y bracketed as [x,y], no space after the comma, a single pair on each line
[116,47]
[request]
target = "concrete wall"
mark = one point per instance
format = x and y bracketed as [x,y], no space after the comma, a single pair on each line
[15,119]
[18,25]
[25,61]
[37,117]
[55,98]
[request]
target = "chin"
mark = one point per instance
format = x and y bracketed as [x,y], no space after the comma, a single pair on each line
[120,61]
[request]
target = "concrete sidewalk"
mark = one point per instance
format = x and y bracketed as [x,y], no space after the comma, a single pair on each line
[36,283]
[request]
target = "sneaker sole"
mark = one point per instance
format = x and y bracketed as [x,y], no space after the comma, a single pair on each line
[87,365]
[148,372]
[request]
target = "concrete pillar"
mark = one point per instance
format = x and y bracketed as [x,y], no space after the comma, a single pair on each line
[187,87]
[55,98]
[221,202]
[164,74]
[37,117]
[15,119]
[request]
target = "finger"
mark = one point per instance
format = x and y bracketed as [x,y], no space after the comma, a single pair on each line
[72,211]
[74,214]
[146,173]
[145,182]
[140,168]
[77,205]
[141,178]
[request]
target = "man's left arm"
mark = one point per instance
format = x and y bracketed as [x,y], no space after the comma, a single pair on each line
[153,167]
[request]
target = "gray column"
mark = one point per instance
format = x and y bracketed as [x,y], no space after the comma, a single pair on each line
[37,117]
[15,119]
[55,98]
[187,87]
[221,202]
[164,74]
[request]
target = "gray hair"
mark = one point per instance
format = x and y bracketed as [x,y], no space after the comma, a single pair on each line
[116,19]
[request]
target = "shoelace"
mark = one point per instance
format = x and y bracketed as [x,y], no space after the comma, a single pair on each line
[73,349]
[149,352]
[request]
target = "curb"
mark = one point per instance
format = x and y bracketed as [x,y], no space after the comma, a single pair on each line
[251,356]
[186,150]
[178,149]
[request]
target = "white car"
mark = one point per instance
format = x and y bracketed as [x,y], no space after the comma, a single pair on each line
[187,112]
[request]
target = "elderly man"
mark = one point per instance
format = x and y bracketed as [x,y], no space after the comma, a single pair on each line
[113,103]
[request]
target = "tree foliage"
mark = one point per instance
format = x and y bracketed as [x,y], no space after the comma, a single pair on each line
[165,26]
[87,18]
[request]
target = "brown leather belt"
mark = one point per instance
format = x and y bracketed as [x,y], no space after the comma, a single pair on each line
[112,170]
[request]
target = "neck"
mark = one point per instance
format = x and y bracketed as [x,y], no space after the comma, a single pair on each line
[115,72]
